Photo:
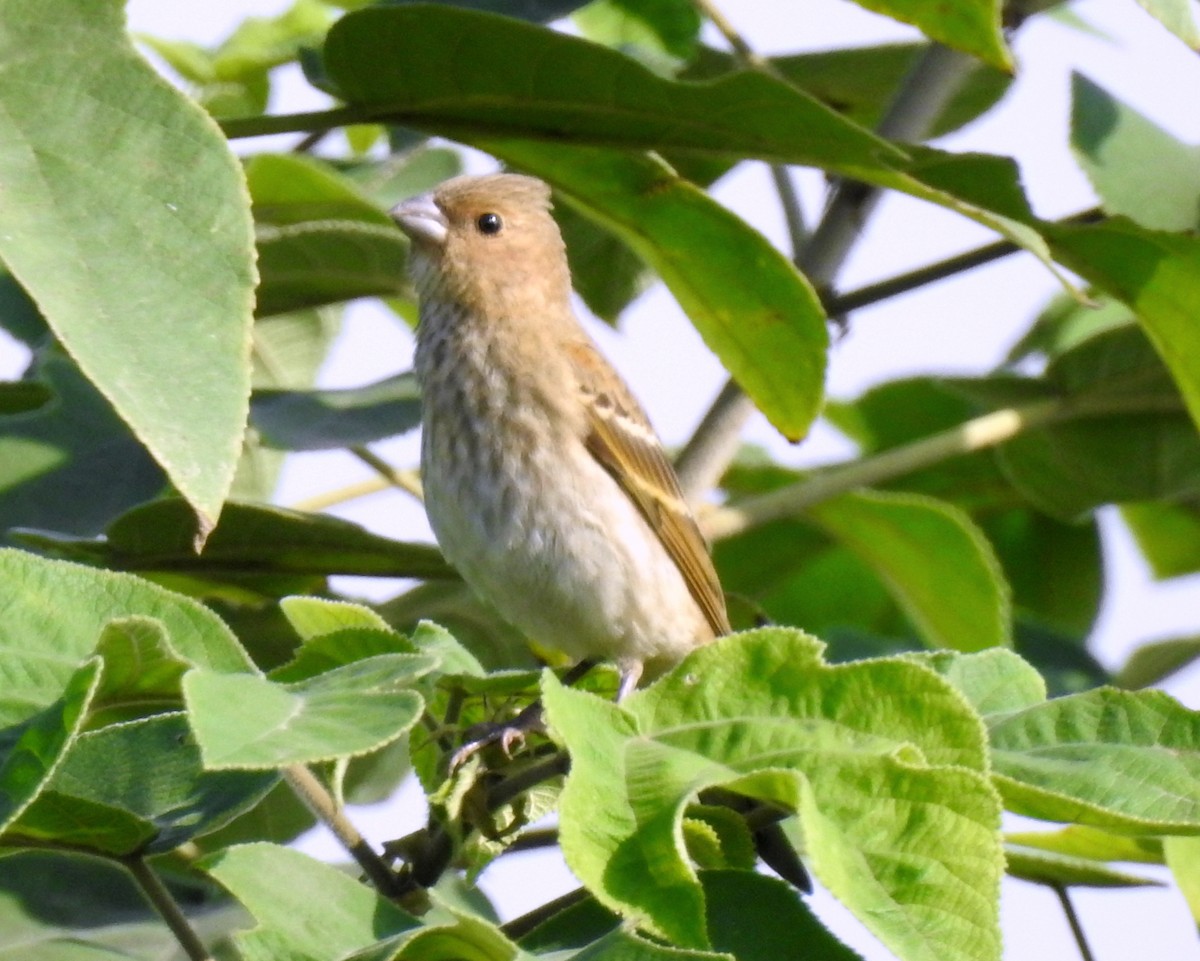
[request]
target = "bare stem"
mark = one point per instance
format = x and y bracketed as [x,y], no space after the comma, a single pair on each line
[1064,898]
[406,480]
[168,908]
[978,434]
[320,502]
[318,800]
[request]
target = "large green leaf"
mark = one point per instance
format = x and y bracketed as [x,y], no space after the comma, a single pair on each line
[1157,275]
[937,564]
[1168,535]
[140,258]
[352,916]
[137,787]
[324,419]
[760,714]
[247,721]
[1120,760]
[1137,445]
[71,465]
[327,261]
[858,82]
[252,539]
[55,613]
[528,83]
[1117,147]
[32,749]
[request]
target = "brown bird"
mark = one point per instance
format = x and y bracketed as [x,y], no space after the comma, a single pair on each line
[544,482]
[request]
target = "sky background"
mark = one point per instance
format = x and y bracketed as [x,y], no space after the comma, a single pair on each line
[961,326]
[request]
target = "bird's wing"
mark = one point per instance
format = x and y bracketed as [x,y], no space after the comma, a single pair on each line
[620,437]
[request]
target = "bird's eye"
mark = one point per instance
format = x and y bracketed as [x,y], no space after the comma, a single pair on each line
[489,224]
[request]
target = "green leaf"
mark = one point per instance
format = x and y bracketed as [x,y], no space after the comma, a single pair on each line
[670,27]
[148,771]
[1157,275]
[973,26]
[1168,535]
[936,563]
[757,918]
[1058,870]
[329,419]
[772,722]
[287,189]
[1154,662]
[858,82]
[314,617]
[328,261]
[254,539]
[65,907]
[71,465]
[752,308]
[1183,858]
[461,937]
[142,672]
[22,396]
[32,749]
[526,83]
[1116,146]
[993,681]
[246,721]
[1119,760]
[1081,841]
[57,612]
[337,649]
[604,271]
[1177,16]
[159,277]
[1137,445]
[353,916]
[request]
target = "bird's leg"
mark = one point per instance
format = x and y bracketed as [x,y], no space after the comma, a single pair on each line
[510,734]
[630,675]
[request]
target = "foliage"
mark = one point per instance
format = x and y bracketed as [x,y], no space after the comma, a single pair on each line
[177,667]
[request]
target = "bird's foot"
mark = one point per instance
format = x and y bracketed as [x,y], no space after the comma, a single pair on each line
[509,735]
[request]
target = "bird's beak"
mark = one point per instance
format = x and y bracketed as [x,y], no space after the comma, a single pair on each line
[422,220]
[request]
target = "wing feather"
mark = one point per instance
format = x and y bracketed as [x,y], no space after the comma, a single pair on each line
[620,437]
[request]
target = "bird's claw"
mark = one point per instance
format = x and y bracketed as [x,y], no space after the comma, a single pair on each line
[510,736]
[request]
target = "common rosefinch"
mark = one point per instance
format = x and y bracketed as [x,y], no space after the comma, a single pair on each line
[544,482]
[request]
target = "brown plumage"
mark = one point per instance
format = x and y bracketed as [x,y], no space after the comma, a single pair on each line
[545,484]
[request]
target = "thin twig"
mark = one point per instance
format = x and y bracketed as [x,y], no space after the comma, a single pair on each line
[323,501]
[168,908]
[406,480]
[1064,898]
[852,300]
[318,800]
[978,434]
[986,431]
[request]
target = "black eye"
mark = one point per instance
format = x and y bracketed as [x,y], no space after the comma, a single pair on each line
[489,224]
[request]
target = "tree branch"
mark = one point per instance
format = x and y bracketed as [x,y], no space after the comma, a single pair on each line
[168,908]
[318,800]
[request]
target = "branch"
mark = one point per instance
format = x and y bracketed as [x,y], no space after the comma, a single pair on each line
[406,480]
[1064,898]
[168,908]
[312,792]
[974,435]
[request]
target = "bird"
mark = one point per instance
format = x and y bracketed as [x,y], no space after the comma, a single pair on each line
[545,485]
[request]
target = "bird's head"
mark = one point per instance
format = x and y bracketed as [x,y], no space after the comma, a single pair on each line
[486,241]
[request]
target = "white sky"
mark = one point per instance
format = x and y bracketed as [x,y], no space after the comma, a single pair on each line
[961,326]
